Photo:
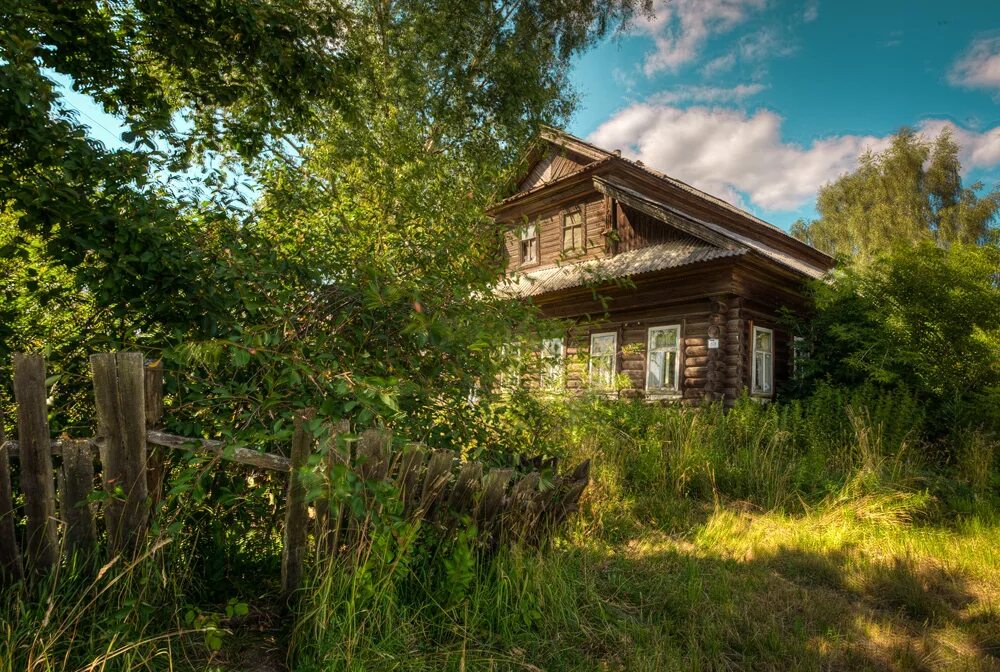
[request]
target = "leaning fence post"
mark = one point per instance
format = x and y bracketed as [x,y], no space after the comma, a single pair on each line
[153,389]
[10,556]
[121,421]
[75,485]
[36,462]
[296,511]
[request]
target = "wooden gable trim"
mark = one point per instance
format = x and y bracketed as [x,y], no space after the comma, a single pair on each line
[657,211]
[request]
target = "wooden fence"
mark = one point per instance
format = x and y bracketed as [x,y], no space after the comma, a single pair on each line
[435,487]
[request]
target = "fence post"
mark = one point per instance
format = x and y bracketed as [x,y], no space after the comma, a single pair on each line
[153,389]
[296,511]
[121,421]
[10,556]
[36,462]
[75,485]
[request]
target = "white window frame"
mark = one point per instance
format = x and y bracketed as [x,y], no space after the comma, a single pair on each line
[650,333]
[755,388]
[614,360]
[553,368]
[531,229]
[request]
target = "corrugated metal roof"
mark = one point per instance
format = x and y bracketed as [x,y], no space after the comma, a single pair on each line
[662,256]
[784,258]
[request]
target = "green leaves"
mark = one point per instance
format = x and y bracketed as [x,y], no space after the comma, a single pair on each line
[927,318]
[910,193]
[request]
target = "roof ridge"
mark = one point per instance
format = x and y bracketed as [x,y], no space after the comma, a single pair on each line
[565,135]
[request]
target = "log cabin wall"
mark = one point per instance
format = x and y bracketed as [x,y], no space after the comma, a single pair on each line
[696,298]
[703,301]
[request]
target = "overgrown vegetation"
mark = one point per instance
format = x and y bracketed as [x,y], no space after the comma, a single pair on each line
[334,254]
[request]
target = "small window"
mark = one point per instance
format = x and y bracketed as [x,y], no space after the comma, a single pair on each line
[763,361]
[603,351]
[663,359]
[529,244]
[573,232]
[553,355]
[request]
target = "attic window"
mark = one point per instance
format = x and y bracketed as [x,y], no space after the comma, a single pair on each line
[529,245]
[573,232]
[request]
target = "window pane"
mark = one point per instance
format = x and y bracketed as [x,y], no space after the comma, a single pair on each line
[568,238]
[664,338]
[655,379]
[529,232]
[763,341]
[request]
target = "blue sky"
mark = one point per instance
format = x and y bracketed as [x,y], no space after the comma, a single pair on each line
[763,101]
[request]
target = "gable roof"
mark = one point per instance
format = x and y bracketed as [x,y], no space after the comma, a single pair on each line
[725,227]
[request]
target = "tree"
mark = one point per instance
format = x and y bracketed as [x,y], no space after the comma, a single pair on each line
[923,317]
[375,132]
[909,193]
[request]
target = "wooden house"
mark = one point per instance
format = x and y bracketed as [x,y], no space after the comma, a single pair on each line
[679,290]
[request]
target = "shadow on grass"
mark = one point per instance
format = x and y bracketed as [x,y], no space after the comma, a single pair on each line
[663,603]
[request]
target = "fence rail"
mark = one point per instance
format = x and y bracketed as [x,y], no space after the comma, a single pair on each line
[435,486]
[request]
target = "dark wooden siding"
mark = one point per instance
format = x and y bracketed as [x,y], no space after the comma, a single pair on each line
[636,229]
[549,223]
[552,167]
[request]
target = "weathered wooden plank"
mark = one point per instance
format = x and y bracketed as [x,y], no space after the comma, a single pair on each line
[436,478]
[296,509]
[491,502]
[329,512]
[248,456]
[469,478]
[36,463]
[373,454]
[121,420]
[408,482]
[153,391]
[76,481]
[11,569]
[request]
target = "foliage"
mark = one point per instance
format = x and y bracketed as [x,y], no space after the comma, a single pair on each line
[912,192]
[925,318]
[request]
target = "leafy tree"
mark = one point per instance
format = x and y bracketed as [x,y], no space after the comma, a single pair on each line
[376,133]
[925,318]
[909,193]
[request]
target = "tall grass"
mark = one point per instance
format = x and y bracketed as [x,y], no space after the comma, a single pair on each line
[120,616]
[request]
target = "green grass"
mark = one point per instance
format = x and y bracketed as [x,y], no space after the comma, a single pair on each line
[825,535]
[768,538]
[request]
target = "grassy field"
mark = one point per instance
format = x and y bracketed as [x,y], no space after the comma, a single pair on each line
[848,557]
[763,539]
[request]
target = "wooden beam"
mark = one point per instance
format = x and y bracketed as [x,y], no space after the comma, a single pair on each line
[248,456]
[37,477]
[11,570]
[119,381]
[296,509]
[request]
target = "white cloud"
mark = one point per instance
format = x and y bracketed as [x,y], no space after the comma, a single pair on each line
[680,28]
[811,12]
[728,152]
[719,65]
[690,93]
[975,150]
[979,67]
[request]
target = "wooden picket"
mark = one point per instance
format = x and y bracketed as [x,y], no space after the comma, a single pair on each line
[435,487]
